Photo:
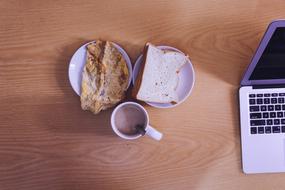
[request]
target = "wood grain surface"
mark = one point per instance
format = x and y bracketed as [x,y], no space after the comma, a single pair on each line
[47,141]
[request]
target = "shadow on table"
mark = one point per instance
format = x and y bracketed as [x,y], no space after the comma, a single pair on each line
[225,54]
[226,50]
[66,112]
[236,125]
[74,119]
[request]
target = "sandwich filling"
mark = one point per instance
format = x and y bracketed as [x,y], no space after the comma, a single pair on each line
[104,78]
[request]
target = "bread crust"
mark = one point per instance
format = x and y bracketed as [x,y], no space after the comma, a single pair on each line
[140,74]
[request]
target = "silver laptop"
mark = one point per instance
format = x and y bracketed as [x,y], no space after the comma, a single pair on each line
[262,105]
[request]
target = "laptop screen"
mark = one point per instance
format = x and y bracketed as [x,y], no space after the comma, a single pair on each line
[271,64]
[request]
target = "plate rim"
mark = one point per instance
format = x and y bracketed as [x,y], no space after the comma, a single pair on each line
[120,49]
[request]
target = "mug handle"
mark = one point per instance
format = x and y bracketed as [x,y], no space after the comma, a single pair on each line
[153,133]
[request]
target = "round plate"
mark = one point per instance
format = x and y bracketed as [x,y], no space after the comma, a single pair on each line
[186,80]
[78,61]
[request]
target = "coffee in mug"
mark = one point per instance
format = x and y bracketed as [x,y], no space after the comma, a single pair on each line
[130,120]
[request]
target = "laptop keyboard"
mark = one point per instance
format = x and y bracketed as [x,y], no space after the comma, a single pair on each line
[267,113]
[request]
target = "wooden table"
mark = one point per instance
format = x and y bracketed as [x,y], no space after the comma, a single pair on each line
[48,142]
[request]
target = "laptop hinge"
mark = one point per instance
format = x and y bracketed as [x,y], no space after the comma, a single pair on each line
[268,86]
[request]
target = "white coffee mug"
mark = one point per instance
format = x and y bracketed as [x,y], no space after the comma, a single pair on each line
[149,131]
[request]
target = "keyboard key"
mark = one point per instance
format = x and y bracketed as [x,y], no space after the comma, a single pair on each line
[265,115]
[253,130]
[263,108]
[282,121]
[257,122]
[273,100]
[251,101]
[267,129]
[283,107]
[259,101]
[276,129]
[280,100]
[279,114]
[266,101]
[274,94]
[267,95]
[253,108]
[283,129]
[276,121]
[255,115]
[259,95]
[252,95]
[272,114]
[260,130]
[277,107]
[270,108]
[281,94]
[269,122]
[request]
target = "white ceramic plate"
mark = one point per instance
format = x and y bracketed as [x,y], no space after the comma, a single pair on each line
[78,61]
[186,80]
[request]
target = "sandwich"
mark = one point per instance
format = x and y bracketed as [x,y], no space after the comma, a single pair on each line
[158,78]
[105,77]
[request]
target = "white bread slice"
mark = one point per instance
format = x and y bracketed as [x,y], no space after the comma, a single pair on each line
[159,78]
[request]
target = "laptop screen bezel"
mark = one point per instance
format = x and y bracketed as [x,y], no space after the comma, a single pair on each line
[264,42]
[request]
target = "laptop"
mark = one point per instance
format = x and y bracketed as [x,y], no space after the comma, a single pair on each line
[262,105]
